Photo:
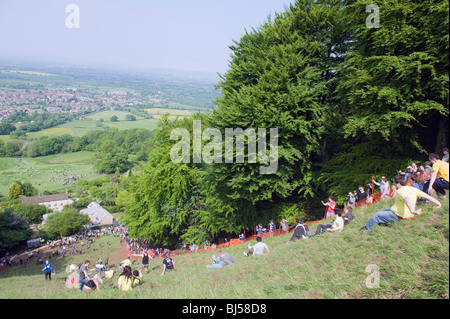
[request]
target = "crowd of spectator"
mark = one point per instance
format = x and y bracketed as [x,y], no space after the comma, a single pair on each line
[416,183]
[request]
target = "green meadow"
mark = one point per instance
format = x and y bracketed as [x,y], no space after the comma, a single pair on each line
[47,172]
[89,123]
[40,171]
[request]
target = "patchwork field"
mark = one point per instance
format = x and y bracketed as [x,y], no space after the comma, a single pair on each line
[81,127]
[27,72]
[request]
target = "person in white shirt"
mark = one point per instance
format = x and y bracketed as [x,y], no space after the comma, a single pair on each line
[385,188]
[258,249]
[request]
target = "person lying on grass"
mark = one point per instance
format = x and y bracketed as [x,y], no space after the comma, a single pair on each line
[92,284]
[404,206]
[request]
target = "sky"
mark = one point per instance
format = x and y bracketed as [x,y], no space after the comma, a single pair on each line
[192,35]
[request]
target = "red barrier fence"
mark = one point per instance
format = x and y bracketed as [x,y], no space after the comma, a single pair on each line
[276,232]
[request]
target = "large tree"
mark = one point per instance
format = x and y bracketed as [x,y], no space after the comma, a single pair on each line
[280,76]
[13,229]
[110,158]
[392,91]
[394,84]
[166,202]
[65,223]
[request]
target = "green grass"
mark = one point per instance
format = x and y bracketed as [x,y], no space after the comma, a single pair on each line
[82,127]
[412,256]
[38,170]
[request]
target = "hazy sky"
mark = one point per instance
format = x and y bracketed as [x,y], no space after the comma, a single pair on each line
[176,34]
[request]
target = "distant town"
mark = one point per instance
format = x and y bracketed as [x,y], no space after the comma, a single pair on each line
[69,101]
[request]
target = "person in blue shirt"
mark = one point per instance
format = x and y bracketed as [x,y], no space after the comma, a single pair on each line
[47,270]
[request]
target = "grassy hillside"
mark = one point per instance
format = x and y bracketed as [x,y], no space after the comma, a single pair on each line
[46,172]
[82,127]
[412,258]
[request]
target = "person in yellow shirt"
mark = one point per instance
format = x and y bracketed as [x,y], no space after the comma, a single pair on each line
[126,262]
[404,206]
[125,282]
[439,176]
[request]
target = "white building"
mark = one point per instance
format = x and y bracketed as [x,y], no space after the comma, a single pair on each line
[55,202]
[97,214]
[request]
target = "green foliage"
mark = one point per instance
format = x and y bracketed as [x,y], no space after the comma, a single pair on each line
[15,190]
[35,121]
[280,77]
[166,196]
[392,91]
[133,141]
[6,128]
[31,212]
[29,189]
[13,229]
[110,158]
[65,223]
[123,199]
[130,117]
[49,145]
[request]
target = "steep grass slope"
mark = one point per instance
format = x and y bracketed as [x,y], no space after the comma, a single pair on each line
[410,259]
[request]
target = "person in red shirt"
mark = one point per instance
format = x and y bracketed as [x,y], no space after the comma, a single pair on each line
[331,205]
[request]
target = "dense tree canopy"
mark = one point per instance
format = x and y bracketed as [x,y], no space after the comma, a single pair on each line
[167,202]
[392,92]
[65,223]
[340,100]
[348,100]
[13,229]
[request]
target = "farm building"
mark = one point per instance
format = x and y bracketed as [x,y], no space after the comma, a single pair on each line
[55,202]
[97,214]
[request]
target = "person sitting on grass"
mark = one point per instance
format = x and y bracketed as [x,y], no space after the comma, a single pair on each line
[300,231]
[168,264]
[337,225]
[348,217]
[258,249]
[92,284]
[404,206]
[223,260]
[126,262]
[125,282]
[216,260]
[137,278]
